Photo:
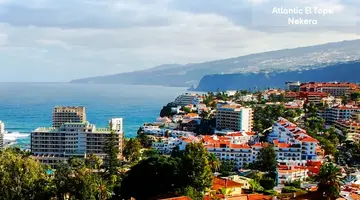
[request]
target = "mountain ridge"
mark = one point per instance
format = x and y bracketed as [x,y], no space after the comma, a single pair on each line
[341,72]
[300,58]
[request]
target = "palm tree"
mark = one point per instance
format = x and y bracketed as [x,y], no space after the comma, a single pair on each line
[330,178]
[214,162]
[225,191]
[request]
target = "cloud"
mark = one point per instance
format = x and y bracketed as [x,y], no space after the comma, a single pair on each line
[51,40]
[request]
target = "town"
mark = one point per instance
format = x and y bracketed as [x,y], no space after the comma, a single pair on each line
[298,142]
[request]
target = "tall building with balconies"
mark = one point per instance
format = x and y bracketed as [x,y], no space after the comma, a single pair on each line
[2,132]
[73,139]
[66,114]
[186,99]
[234,117]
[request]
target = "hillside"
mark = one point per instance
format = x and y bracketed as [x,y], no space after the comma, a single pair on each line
[276,61]
[339,72]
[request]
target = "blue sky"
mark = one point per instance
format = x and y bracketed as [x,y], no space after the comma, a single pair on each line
[60,40]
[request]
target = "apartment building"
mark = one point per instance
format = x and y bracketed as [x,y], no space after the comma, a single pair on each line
[61,115]
[348,126]
[234,117]
[2,132]
[58,144]
[290,174]
[333,88]
[355,116]
[186,99]
[225,150]
[338,112]
[308,97]
[165,145]
[288,137]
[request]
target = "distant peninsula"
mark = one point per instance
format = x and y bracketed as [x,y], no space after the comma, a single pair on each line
[254,69]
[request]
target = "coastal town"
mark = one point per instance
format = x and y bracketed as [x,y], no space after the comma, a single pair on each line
[297,142]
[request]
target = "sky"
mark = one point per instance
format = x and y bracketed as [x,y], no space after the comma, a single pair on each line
[61,40]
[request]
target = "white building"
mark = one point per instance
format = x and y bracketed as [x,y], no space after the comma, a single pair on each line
[58,144]
[2,132]
[234,117]
[286,133]
[292,174]
[339,112]
[225,150]
[248,97]
[185,99]
[166,145]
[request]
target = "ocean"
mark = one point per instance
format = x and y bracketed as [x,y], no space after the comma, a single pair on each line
[26,106]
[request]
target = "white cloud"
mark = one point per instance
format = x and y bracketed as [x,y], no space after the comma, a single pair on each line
[51,40]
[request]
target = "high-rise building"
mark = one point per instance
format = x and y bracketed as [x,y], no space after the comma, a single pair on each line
[186,99]
[61,115]
[2,132]
[234,117]
[73,139]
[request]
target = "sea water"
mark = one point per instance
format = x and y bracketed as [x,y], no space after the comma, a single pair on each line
[26,106]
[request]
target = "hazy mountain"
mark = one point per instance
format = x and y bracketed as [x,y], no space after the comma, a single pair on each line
[302,58]
[342,72]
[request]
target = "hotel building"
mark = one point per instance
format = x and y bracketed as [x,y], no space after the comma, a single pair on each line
[2,132]
[61,115]
[186,99]
[333,88]
[339,112]
[292,142]
[73,139]
[234,117]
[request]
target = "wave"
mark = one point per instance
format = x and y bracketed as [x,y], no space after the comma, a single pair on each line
[15,135]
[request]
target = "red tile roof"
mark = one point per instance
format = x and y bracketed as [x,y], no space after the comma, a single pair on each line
[243,197]
[178,198]
[239,146]
[308,139]
[219,183]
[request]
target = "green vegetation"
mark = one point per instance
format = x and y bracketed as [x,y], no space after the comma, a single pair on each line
[227,168]
[355,96]
[132,150]
[266,160]
[188,173]
[166,110]
[330,179]
[265,116]
[112,161]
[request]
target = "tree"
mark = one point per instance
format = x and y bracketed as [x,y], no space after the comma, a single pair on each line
[22,178]
[112,151]
[75,181]
[227,168]
[166,111]
[214,162]
[150,153]
[255,186]
[345,99]
[93,162]
[143,139]
[267,183]
[267,159]
[355,96]
[196,171]
[151,177]
[329,179]
[193,193]
[132,150]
